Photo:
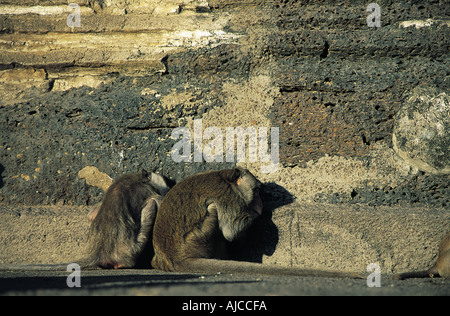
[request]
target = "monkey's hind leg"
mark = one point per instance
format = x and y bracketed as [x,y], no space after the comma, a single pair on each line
[148,216]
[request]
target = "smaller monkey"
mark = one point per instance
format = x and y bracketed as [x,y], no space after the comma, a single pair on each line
[440,269]
[122,224]
[202,214]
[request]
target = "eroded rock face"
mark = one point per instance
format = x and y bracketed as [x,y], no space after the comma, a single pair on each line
[109,93]
[422,130]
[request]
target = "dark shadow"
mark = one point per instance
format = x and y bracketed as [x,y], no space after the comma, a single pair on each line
[109,280]
[145,258]
[262,237]
[1,178]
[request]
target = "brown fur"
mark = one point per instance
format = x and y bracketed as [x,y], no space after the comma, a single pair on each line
[203,213]
[440,269]
[121,226]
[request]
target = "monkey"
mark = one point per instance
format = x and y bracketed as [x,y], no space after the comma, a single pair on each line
[440,269]
[200,215]
[123,223]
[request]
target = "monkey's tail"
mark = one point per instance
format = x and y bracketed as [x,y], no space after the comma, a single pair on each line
[213,266]
[417,274]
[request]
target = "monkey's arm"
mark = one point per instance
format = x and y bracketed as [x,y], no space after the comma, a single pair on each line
[213,266]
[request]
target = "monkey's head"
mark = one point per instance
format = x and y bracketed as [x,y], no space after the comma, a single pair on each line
[248,187]
[242,209]
[160,183]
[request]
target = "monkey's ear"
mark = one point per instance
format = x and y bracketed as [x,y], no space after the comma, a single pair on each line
[235,176]
[144,173]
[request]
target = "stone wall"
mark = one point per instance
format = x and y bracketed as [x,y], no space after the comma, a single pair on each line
[109,93]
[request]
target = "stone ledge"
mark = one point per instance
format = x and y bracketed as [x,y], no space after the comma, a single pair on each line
[341,237]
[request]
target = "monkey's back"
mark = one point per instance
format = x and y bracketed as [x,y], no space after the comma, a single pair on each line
[114,230]
[182,215]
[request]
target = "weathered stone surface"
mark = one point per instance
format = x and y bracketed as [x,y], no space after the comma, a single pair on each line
[109,93]
[422,130]
[105,97]
[95,177]
[342,238]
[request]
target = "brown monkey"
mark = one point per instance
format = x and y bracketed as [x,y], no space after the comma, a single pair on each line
[201,214]
[440,269]
[122,224]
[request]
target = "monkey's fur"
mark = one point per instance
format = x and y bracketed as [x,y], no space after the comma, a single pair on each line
[440,269]
[121,226]
[201,214]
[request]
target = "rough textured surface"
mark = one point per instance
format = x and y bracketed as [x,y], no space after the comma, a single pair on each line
[108,94]
[310,235]
[156,283]
[421,128]
[95,177]
[42,234]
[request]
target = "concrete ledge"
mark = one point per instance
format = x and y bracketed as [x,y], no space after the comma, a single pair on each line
[349,237]
[341,237]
